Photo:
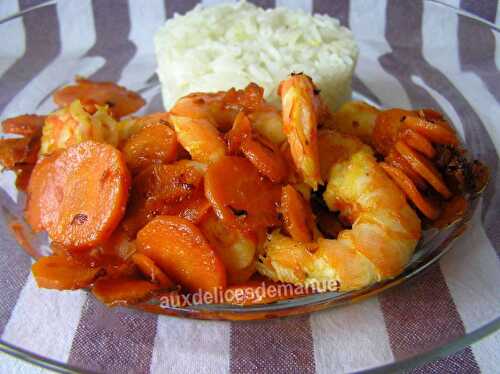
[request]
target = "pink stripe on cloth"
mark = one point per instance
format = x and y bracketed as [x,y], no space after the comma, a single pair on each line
[420,315]
[114,340]
[272,346]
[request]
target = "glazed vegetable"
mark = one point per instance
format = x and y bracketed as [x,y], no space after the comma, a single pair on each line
[119,100]
[180,249]
[79,197]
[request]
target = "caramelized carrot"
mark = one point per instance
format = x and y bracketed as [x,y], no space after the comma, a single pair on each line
[26,125]
[297,214]
[150,270]
[423,167]
[63,273]
[409,188]
[120,100]
[418,142]
[182,252]
[242,129]
[119,291]
[387,127]
[435,132]
[82,199]
[239,195]
[153,143]
[266,157]
[175,189]
[41,180]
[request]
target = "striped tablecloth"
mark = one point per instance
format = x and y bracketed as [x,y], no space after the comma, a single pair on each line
[416,317]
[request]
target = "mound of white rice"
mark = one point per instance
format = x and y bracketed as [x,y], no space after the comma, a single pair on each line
[216,48]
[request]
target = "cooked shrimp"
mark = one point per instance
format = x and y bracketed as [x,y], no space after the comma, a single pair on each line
[385,229]
[300,121]
[72,125]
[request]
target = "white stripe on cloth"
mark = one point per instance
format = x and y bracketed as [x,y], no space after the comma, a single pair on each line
[305,5]
[191,346]
[45,321]
[10,364]
[14,46]
[145,21]
[350,338]
[443,35]
[472,273]
[369,31]
[73,18]
[487,353]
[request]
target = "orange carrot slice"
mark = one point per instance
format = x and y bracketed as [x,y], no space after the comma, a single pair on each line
[179,248]
[153,143]
[422,166]
[435,132]
[418,142]
[123,290]
[120,100]
[296,214]
[240,195]
[242,129]
[409,188]
[63,273]
[266,157]
[82,198]
[150,270]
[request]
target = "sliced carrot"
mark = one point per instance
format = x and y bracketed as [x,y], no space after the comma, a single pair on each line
[120,100]
[242,129]
[395,159]
[150,270]
[26,125]
[409,188]
[40,187]
[387,127]
[240,195]
[179,248]
[121,291]
[418,142]
[175,189]
[423,167]
[433,131]
[83,197]
[153,143]
[266,157]
[297,214]
[63,273]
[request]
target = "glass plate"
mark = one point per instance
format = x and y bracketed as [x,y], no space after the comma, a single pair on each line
[395,69]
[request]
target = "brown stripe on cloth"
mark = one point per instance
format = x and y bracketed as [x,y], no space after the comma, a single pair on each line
[272,346]
[112,28]
[264,3]
[178,6]
[117,340]
[40,26]
[340,10]
[420,315]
